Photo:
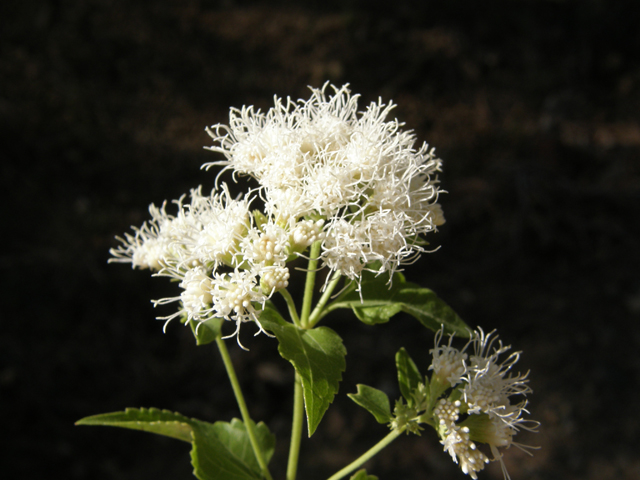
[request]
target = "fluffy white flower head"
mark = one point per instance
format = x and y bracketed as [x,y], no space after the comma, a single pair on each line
[329,173]
[356,170]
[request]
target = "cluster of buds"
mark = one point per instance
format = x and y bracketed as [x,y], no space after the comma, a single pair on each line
[327,173]
[467,401]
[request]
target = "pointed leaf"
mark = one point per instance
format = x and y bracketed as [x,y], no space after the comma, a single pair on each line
[378,302]
[372,304]
[220,451]
[408,375]
[318,356]
[362,475]
[374,401]
[431,311]
[161,422]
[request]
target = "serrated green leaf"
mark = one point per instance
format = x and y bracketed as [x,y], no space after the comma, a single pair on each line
[207,331]
[318,355]
[161,422]
[362,475]
[378,302]
[220,451]
[408,375]
[374,401]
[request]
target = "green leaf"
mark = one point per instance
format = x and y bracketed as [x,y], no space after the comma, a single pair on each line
[378,302]
[431,311]
[373,303]
[374,401]
[161,422]
[408,375]
[207,331]
[362,475]
[318,356]
[220,451]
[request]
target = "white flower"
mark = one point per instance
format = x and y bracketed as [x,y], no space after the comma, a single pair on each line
[195,298]
[235,296]
[488,382]
[464,452]
[274,278]
[484,385]
[344,249]
[149,247]
[267,245]
[220,223]
[306,232]
[448,363]
[447,413]
[356,170]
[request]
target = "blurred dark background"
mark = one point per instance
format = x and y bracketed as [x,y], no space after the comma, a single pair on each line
[533,105]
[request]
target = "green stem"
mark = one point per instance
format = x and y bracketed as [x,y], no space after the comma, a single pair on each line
[309,284]
[298,398]
[296,429]
[248,423]
[316,315]
[291,306]
[368,454]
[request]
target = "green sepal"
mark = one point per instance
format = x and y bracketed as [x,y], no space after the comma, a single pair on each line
[220,451]
[380,300]
[207,331]
[318,356]
[260,218]
[374,401]
[409,376]
[362,475]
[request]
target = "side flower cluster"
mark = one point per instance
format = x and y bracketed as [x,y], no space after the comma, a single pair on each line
[326,172]
[477,406]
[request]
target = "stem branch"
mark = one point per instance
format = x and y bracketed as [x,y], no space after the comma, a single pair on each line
[367,455]
[310,283]
[291,306]
[316,315]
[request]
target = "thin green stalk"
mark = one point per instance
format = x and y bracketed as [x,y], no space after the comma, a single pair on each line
[316,315]
[291,306]
[309,284]
[222,347]
[296,429]
[367,455]
[298,399]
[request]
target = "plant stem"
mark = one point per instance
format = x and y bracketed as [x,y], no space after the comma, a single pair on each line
[291,306]
[296,429]
[367,455]
[248,423]
[298,398]
[309,284]
[316,315]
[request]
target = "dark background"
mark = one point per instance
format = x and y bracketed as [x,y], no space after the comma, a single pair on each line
[533,105]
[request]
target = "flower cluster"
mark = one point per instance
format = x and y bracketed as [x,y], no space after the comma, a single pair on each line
[327,172]
[478,407]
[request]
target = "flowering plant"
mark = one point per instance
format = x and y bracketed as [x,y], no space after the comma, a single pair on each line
[349,192]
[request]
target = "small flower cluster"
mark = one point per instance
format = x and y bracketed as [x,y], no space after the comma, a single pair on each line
[326,172]
[479,387]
